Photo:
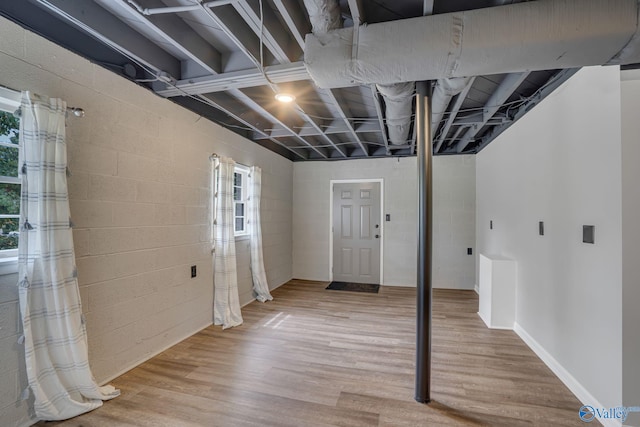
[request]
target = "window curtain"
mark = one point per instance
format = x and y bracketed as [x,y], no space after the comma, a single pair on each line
[260,285]
[226,303]
[55,337]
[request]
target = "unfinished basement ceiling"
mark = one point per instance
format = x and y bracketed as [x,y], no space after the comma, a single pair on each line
[207,57]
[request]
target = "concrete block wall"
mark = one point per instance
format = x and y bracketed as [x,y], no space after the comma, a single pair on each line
[139,198]
[13,412]
[454,217]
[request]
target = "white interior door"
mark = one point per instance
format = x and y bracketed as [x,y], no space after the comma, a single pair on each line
[356,232]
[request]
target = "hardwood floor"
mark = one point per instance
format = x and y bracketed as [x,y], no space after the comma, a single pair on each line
[314,357]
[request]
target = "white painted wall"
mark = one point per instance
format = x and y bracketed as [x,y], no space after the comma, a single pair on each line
[454,221]
[630,88]
[454,217]
[561,164]
[139,198]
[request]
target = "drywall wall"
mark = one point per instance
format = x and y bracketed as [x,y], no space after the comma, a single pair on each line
[630,89]
[454,227]
[139,198]
[454,217]
[561,164]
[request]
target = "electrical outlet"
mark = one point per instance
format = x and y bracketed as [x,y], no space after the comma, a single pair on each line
[469,251]
[541,228]
[193,271]
[588,234]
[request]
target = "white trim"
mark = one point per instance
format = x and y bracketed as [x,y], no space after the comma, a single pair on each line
[357,181]
[244,168]
[488,324]
[8,264]
[10,180]
[248,302]
[9,145]
[270,289]
[9,102]
[244,188]
[154,354]
[398,285]
[477,289]
[9,99]
[569,380]
[165,348]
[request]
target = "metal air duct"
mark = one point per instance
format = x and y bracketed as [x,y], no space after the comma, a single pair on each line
[324,16]
[537,35]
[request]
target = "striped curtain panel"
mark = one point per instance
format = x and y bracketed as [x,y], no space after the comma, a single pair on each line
[226,303]
[260,285]
[55,337]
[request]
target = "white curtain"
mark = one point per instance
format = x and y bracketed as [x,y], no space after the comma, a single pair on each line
[226,303]
[260,285]
[55,337]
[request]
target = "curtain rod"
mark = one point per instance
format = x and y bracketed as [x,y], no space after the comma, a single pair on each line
[75,111]
[14,97]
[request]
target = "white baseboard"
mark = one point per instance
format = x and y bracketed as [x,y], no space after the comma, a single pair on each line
[397,285]
[248,302]
[154,354]
[139,362]
[271,289]
[454,288]
[477,289]
[572,384]
[488,323]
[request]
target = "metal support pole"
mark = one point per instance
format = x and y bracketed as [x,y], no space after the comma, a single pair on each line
[425,220]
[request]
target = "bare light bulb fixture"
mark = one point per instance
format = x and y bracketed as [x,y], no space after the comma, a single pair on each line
[285,97]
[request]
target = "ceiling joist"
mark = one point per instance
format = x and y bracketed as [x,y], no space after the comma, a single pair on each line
[208,56]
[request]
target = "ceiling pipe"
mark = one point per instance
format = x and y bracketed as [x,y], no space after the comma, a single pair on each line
[324,15]
[528,36]
[397,104]
[444,91]
[325,18]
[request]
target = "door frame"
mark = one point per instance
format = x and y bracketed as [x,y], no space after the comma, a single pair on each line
[356,181]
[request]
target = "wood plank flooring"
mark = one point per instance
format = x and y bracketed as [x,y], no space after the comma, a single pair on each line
[314,357]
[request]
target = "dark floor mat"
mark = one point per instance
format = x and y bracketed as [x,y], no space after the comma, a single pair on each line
[354,287]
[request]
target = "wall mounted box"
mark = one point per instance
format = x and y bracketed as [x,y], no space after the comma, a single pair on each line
[497,306]
[589,234]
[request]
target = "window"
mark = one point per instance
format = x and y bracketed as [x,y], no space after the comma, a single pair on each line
[240,195]
[9,180]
